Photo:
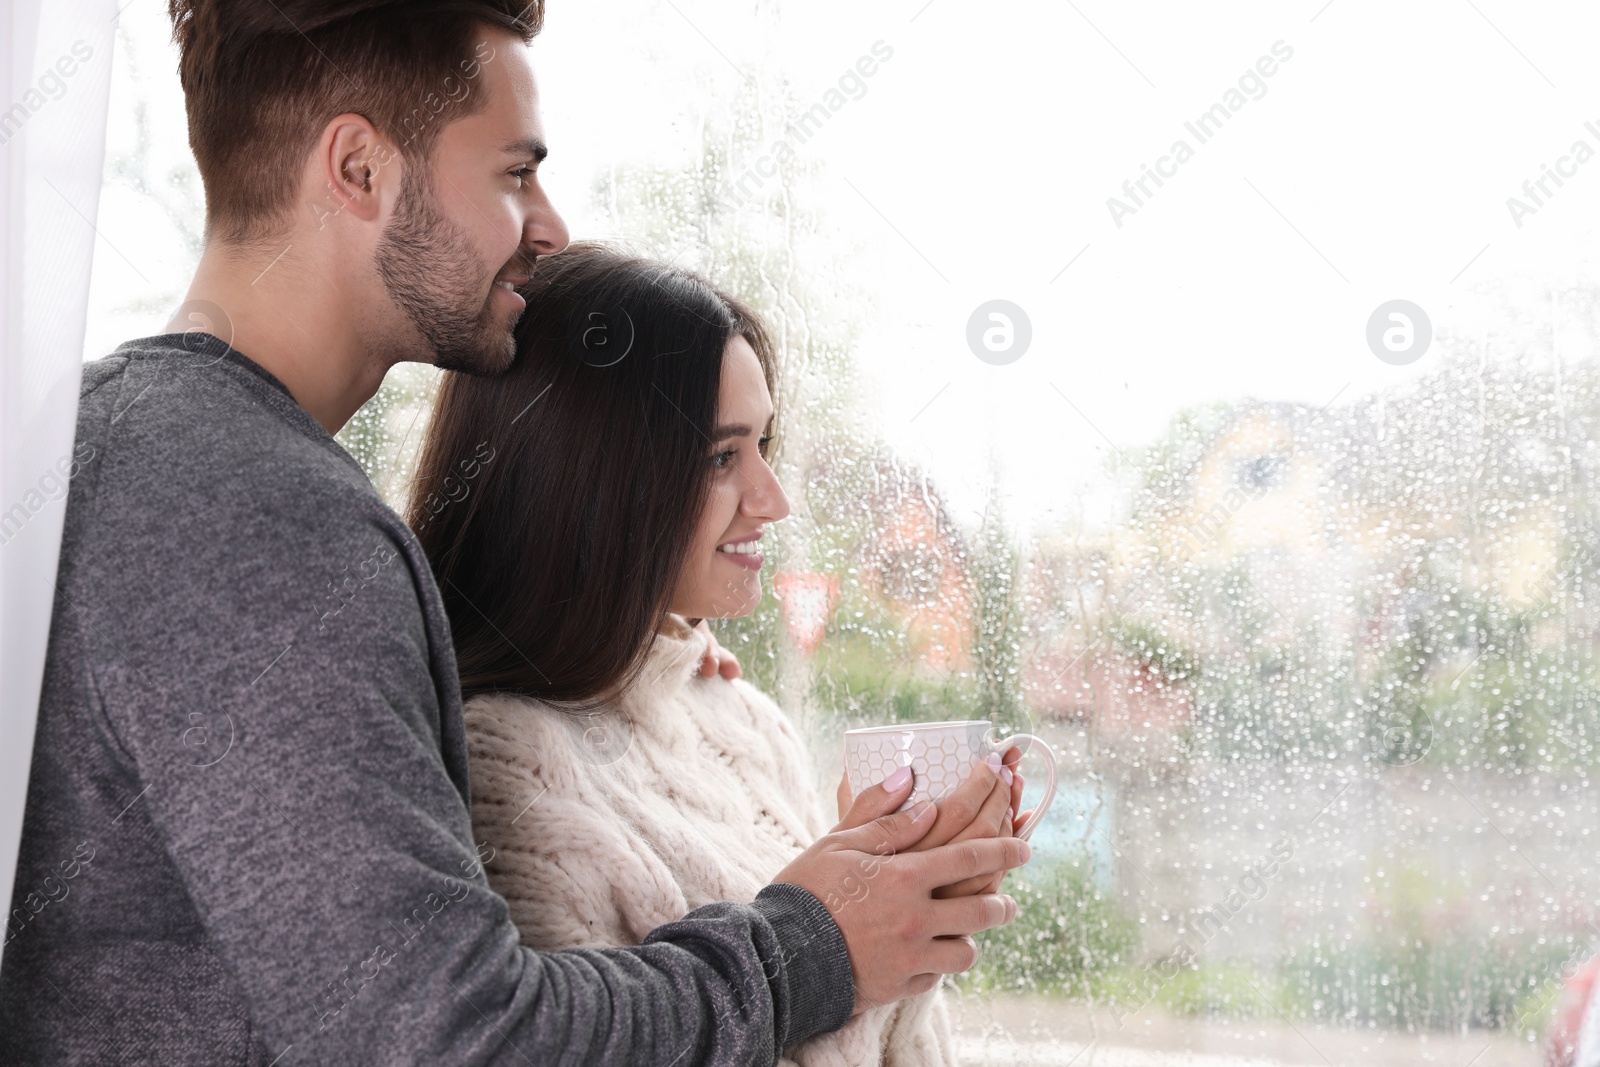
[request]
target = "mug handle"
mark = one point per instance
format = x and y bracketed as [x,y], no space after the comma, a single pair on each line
[1035,744]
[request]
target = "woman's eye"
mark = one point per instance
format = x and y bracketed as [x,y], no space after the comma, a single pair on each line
[762,445]
[722,459]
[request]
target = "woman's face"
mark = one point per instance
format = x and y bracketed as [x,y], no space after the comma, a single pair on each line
[722,576]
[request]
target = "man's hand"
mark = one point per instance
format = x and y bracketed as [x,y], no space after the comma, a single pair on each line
[717,660]
[901,938]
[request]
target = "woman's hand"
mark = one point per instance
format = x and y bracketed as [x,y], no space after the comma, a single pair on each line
[986,884]
[717,660]
[995,818]
[984,805]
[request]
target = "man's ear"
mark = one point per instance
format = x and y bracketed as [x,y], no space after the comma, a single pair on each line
[355,167]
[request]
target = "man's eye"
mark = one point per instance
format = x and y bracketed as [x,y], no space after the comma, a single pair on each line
[522,173]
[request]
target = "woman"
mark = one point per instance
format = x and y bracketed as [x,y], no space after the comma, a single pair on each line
[579,512]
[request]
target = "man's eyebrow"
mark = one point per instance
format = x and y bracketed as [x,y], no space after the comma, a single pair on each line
[528,146]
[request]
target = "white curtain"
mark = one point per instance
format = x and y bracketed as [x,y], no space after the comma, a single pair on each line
[55,75]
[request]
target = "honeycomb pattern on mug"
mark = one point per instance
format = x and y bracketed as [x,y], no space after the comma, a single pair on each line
[940,762]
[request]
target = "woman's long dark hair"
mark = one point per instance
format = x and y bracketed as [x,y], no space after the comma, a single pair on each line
[558,502]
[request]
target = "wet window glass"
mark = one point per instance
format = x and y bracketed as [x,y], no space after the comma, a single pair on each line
[1210,395]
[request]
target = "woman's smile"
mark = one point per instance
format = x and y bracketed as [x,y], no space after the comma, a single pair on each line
[745,552]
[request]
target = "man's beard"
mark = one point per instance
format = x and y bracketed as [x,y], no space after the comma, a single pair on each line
[429,269]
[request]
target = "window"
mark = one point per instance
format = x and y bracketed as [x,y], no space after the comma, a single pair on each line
[1137,446]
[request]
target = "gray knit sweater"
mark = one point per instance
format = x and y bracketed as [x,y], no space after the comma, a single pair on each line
[247,839]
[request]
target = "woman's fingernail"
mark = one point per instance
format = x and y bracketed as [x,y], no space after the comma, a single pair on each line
[994,762]
[1006,775]
[898,780]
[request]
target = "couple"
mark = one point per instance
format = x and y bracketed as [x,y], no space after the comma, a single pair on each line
[249,835]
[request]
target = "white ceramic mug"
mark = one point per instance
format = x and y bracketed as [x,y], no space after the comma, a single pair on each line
[940,755]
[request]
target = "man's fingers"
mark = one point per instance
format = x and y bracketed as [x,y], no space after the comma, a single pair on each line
[970,915]
[950,955]
[958,861]
[984,883]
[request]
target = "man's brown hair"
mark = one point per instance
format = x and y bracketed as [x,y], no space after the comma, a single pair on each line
[261,78]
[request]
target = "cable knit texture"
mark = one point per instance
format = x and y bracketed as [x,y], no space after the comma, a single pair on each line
[684,791]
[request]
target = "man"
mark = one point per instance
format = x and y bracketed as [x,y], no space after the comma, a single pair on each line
[246,838]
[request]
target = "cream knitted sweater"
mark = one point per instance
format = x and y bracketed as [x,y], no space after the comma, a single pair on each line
[684,791]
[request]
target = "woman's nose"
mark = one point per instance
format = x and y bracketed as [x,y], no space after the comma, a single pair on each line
[766,498]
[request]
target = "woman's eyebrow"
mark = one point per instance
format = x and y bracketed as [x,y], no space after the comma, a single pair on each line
[722,433]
